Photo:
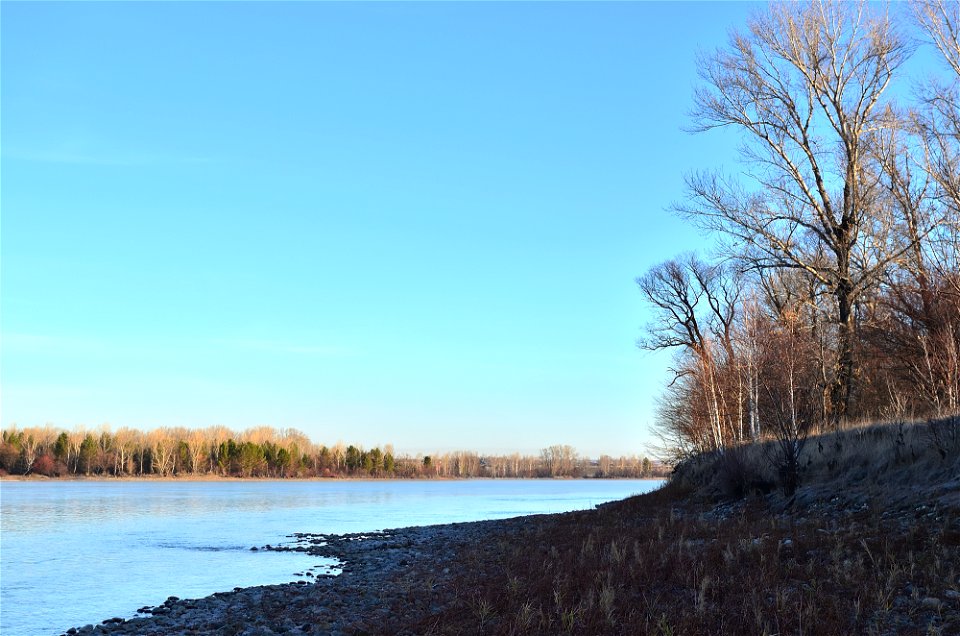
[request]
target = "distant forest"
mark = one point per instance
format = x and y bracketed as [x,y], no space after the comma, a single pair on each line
[270,453]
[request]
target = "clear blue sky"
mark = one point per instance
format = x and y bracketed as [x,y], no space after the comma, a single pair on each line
[416,224]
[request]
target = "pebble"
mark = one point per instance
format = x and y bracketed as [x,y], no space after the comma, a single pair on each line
[931,602]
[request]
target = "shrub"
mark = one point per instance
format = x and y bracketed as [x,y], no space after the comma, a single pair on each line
[45,465]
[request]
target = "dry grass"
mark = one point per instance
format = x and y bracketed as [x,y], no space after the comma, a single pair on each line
[856,552]
[918,456]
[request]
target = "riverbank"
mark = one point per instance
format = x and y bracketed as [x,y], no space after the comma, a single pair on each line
[847,553]
[655,564]
[389,582]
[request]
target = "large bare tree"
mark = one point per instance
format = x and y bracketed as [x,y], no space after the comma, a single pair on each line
[805,85]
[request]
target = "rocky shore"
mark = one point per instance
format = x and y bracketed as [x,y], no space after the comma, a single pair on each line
[384,577]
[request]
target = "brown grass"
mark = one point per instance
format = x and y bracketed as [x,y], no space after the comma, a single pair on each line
[857,551]
[900,458]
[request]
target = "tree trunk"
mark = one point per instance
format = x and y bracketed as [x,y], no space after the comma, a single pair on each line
[844,378]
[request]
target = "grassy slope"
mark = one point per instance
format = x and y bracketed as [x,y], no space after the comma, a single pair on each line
[869,544]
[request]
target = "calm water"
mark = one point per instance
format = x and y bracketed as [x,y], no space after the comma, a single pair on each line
[73,553]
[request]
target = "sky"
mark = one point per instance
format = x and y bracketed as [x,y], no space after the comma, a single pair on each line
[406,223]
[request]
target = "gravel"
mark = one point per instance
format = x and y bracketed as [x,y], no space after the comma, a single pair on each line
[382,574]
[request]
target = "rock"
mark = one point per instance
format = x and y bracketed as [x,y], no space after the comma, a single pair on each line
[931,602]
[953,595]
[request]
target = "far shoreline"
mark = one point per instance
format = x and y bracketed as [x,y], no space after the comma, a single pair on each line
[224,478]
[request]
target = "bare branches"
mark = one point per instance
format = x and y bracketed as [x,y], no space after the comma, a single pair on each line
[804,84]
[939,118]
[844,228]
[697,314]
[940,20]
[695,303]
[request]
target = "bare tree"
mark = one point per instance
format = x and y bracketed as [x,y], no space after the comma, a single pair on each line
[788,397]
[804,85]
[198,444]
[938,118]
[913,326]
[695,307]
[940,19]
[558,460]
[125,441]
[162,446]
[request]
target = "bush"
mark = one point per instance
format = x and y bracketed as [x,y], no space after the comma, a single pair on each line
[45,465]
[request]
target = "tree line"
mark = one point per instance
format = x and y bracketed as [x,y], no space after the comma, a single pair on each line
[834,291]
[266,452]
